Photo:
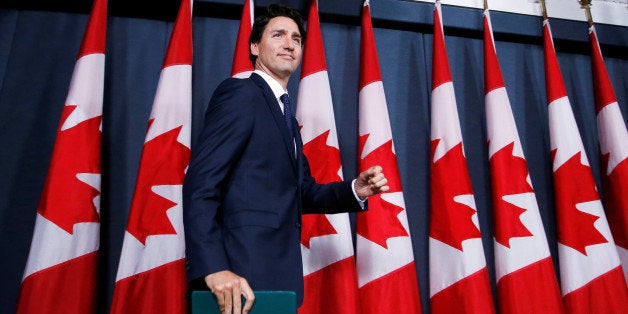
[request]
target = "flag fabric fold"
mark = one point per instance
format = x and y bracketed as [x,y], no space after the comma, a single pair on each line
[526,280]
[151,273]
[385,261]
[241,66]
[591,276]
[614,152]
[66,239]
[458,274]
[330,279]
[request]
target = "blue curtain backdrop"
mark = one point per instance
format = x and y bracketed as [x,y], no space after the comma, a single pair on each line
[38,50]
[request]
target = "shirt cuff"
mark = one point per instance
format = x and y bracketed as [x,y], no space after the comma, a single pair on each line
[360,201]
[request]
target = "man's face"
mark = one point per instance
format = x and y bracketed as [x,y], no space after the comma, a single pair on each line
[279,51]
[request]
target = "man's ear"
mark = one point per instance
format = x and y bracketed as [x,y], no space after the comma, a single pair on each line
[254,49]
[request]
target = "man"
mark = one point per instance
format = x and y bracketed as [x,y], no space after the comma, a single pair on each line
[248,182]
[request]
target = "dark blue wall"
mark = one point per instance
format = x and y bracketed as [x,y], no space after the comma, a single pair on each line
[38,49]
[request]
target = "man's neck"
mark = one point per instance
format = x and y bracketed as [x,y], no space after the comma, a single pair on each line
[282,82]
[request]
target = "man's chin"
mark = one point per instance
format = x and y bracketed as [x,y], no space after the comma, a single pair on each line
[288,70]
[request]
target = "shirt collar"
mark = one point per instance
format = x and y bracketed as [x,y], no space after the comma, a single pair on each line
[274,85]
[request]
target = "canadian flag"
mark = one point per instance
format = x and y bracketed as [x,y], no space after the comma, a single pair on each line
[614,150]
[242,67]
[61,271]
[458,274]
[151,273]
[592,280]
[330,279]
[385,260]
[526,280]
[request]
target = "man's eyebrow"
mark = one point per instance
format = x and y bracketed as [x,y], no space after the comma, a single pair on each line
[285,31]
[279,30]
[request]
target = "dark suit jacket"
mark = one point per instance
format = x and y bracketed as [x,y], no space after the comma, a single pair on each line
[245,191]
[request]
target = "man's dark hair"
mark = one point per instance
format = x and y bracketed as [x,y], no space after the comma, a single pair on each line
[273,11]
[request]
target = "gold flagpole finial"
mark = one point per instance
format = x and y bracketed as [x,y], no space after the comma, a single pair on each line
[586,5]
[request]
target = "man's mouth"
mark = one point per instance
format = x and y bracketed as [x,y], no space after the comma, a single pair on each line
[286,56]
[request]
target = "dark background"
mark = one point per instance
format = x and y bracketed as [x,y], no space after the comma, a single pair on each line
[39,42]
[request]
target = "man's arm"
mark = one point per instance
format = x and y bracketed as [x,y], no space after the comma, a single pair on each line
[227,127]
[338,197]
[226,130]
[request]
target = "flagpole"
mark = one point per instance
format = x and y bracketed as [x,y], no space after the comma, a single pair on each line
[485,4]
[586,5]
[543,9]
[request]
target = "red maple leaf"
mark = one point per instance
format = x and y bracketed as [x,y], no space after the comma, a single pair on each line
[574,184]
[616,200]
[380,222]
[509,174]
[315,225]
[163,162]
[65,199]
[324,160]
[450,221]
[324,163]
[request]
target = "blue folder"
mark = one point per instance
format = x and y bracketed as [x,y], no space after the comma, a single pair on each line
[266,302]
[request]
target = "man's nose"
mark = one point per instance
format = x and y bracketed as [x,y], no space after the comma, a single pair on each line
[289,43]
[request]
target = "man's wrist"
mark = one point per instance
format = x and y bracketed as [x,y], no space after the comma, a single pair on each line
[355,194]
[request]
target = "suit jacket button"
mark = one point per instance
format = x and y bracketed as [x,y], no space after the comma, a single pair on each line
[297,224]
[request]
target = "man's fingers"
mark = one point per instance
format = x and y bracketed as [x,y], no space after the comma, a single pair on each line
[384,188]
[380,182]
[375,170]
[229,289]
[371,172]
[377,181]
[237,299]
[380,186]
[248,295]
[376,178]
[228,307]
[370,182]
[220,297]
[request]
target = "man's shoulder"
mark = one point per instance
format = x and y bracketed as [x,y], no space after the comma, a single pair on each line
[253,82]
[236,90]
[236,83]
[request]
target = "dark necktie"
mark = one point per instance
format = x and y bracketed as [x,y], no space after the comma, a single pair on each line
[287,112]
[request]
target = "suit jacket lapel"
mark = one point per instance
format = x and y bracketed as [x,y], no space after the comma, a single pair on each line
[272,104]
